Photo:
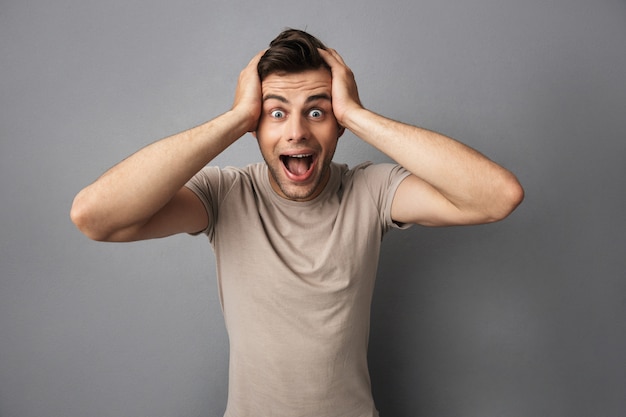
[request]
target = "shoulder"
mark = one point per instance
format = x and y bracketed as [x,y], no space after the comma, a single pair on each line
[213,185]
[223,178]
[380,175]
[373,186]
[377,181]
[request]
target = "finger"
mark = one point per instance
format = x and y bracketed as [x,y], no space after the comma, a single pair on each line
[333,59]
[255,60]
[328,57]
[336,55]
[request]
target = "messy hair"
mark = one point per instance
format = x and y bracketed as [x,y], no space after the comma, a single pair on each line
[292,51]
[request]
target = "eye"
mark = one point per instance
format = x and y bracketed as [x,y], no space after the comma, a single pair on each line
[316,113]
[277,114]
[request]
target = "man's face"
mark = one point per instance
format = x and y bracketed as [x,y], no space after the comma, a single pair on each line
[298,132]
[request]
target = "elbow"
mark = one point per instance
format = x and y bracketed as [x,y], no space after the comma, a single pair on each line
[85,220]
[511,195]
[514,194]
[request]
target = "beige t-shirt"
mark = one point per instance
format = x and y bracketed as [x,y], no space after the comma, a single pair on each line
[295,282]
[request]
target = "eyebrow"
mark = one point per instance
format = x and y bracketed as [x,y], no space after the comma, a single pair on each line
[309,99]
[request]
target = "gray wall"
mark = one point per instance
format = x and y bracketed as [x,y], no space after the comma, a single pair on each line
[522,318]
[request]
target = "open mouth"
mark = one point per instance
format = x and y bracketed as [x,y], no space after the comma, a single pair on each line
[298,165]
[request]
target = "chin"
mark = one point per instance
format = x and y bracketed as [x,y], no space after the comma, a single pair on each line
[296,193]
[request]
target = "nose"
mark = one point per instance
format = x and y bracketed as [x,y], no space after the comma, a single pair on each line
[297,129]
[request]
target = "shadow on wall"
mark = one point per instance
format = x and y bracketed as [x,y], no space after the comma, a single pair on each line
[428,339]
[401,302]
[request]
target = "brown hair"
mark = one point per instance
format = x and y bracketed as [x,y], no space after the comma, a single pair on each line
[291,51]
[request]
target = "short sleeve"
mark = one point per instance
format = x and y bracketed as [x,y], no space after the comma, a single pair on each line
[383,181]
[206,185]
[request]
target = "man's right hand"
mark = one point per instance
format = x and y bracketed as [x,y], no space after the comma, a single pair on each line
[248,98]
[144,196]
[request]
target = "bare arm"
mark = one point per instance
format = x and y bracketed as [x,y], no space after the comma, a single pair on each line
[451,184]
[144,196]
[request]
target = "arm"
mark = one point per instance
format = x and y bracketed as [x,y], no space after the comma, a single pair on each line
[144,196]
[452,184]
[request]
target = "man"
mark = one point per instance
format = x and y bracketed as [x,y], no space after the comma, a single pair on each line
[296,238]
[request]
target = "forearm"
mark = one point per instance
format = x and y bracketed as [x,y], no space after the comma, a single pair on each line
[462,175]
[136,188]
[451,183]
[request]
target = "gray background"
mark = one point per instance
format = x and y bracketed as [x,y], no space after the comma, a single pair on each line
[521,318]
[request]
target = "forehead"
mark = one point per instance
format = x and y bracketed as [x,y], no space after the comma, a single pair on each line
[292,86]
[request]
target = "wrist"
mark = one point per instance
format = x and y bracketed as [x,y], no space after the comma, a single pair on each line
[351,119]
[245,120]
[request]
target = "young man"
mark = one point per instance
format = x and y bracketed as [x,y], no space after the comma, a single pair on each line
[296,238]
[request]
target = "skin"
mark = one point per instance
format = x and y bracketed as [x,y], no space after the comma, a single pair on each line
[451,183]
[296,120]
[144,196]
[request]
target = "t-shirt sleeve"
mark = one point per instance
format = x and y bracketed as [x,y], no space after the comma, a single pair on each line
[206,185]
[383,181]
